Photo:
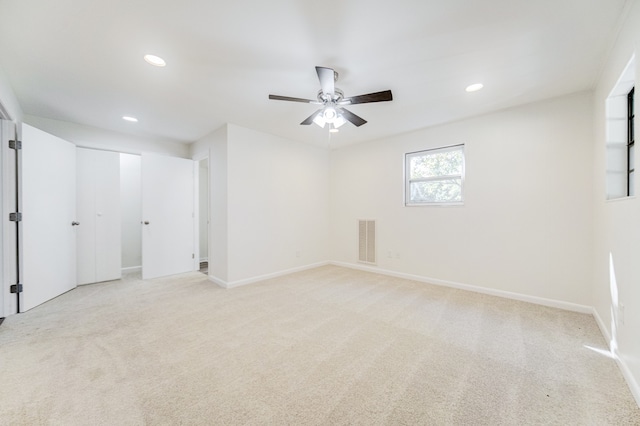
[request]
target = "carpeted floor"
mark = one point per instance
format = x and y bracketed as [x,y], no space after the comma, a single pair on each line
[321,347]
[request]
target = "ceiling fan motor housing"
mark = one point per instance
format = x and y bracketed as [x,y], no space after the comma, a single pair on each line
[326,98]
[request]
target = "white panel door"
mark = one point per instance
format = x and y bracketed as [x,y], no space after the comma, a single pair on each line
[168,216]
[48,210]
[98,235]
[108,215]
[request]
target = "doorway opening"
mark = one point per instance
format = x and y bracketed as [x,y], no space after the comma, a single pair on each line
[131,211]
[203,210]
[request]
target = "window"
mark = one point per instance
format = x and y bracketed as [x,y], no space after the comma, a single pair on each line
[630,143]
[620,146]
[435,176]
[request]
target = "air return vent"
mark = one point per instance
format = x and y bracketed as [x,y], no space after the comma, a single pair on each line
[367,241]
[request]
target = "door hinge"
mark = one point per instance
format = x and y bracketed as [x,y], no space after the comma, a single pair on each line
[15,145]
[15,288]
[15,217]
[193,255]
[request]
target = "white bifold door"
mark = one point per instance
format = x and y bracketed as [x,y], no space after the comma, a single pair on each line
[168,219]
[48,216]
[52,179]
[99,220]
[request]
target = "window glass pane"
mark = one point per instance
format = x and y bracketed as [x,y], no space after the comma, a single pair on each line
[632,157]
[439,191]
[441,163]
[632,189]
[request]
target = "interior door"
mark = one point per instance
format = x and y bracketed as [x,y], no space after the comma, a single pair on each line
[168,216]
[98,206]
[48,211]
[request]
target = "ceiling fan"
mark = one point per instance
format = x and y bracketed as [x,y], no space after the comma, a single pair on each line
[333,101]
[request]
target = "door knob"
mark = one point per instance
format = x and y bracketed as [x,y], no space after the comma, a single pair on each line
[146,222]
[74,223]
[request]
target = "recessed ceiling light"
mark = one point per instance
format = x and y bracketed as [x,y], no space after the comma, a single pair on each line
[474,87]
[155,60]
[131,119]
[334,130]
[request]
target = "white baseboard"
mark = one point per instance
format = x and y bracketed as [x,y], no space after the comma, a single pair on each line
[224,284]
[492,292]
[131,269]
[633,384]
[603,328]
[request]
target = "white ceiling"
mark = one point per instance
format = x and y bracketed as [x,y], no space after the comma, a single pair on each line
[81,60]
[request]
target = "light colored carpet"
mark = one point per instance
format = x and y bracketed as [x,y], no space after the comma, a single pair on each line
[325,346]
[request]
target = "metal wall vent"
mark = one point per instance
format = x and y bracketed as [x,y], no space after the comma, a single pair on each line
[367,241]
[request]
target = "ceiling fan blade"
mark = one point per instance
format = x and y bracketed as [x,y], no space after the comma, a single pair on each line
[287,98]
[327,80]
[368,98]
[349,116]
[309,119]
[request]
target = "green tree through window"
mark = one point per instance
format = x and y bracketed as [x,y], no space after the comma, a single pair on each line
[435,176]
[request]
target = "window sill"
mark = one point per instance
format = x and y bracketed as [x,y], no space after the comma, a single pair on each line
[461,204]
[617,200]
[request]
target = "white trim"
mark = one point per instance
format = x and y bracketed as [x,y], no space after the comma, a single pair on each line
[602,327]
[131,269]
[219,281]
[201,156]
[634,386]
[476,289]
[195,214]
[224,284]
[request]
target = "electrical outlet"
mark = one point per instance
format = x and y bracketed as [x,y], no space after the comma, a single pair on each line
[389,254]
[297,253]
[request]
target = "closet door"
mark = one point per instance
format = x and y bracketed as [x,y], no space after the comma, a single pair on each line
[98,197]
[168,243]
[48,211]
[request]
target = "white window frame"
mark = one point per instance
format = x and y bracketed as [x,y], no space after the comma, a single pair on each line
[407,180]
[616,143]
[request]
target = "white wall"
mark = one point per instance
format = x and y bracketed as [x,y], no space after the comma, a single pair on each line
[526,224]
[8,100]
[93,137]
[278,197]
[268,206]
[131,209]
[215,146]
[617,224]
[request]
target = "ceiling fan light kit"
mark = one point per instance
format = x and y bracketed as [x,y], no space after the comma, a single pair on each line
[332,100]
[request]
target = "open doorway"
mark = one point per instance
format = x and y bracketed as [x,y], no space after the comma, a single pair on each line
[131,209]
[203,206]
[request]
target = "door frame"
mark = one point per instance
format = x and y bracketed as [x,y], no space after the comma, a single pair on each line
[196,207]
[9,203]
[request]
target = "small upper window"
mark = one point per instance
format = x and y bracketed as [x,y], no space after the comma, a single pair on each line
[434,176]
[620,139]
[630,143]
